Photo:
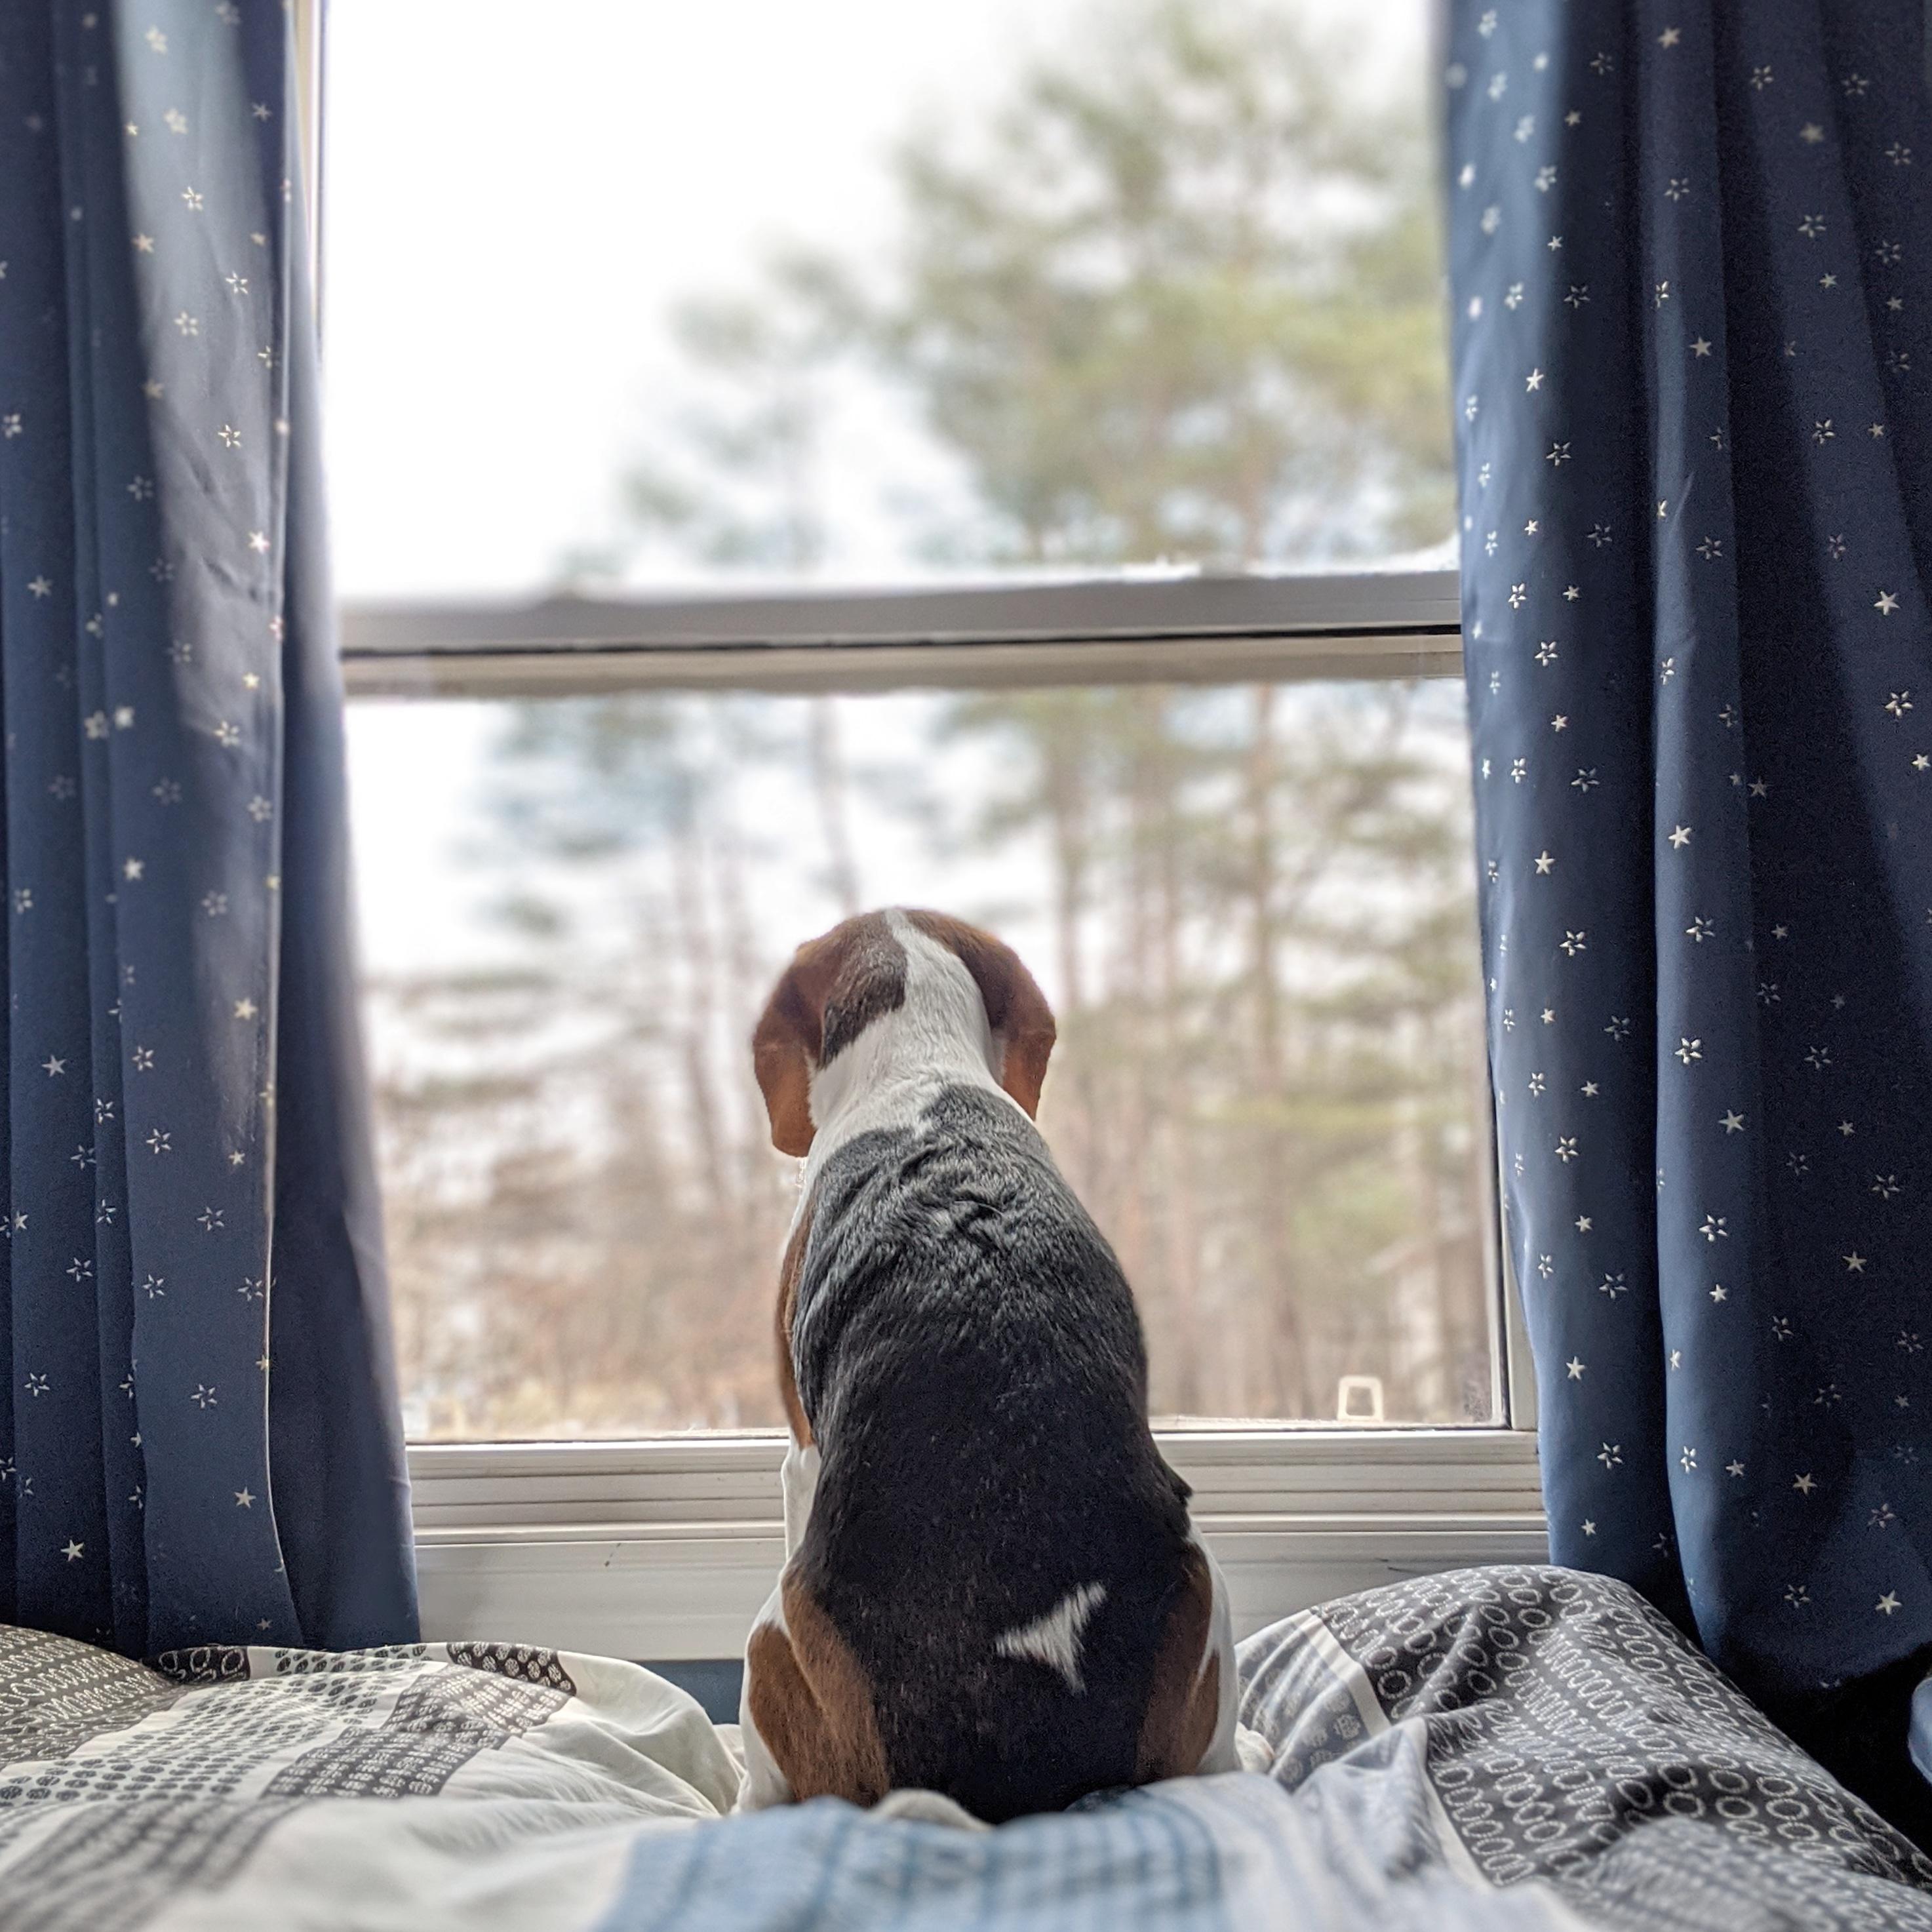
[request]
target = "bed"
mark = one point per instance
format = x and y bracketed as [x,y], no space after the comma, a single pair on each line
[1502,1747]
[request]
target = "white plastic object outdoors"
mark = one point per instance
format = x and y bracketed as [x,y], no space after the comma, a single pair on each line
[1346,1391]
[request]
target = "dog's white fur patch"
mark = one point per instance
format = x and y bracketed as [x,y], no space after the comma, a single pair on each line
[1054,1639]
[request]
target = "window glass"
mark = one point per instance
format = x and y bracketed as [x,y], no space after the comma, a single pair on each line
[1250,906]
[623,293]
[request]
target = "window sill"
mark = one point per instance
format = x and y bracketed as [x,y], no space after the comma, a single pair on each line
[667,1549]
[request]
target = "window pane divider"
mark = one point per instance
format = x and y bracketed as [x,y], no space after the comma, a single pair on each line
[1203,629]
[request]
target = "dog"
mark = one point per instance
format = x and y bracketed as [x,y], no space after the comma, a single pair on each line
[992,1590]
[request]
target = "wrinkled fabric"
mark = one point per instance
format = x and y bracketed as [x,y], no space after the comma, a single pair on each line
[1692,277]
[200,1437]
[1500,1748]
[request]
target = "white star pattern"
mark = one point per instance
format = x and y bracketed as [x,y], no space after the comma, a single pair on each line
[166,619]
[1546,345]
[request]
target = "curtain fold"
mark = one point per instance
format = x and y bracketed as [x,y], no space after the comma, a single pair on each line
[199,1438]
[1691,264]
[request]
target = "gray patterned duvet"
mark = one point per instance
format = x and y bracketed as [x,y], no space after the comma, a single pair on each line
[1511,1748]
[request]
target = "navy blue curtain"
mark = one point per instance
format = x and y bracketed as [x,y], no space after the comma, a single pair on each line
[1692,279]
[198,1432]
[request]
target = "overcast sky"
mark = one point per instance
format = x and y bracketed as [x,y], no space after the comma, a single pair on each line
[509,214]
[514,197]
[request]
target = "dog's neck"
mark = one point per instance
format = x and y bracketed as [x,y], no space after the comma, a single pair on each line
[938,1036]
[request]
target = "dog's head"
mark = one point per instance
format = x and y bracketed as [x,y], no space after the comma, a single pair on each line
[853,976]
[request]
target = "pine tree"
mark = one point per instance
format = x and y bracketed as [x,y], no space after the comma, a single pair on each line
[1177,297]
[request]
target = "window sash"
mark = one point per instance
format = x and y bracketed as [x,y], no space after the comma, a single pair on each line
[1130,628]
[554,1540]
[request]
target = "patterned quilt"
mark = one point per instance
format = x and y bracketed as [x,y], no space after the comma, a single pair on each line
[1526,1749]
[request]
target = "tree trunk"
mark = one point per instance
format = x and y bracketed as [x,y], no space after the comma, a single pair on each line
[830,789]
[1292,1393]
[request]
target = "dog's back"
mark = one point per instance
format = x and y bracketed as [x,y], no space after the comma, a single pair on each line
[994,1535]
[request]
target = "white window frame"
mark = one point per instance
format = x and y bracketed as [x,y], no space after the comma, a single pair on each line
[664,1548]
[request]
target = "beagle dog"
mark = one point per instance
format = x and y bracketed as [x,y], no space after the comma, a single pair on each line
[992,1589]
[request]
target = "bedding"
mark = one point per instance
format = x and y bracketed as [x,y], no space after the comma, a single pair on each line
[1503,1748]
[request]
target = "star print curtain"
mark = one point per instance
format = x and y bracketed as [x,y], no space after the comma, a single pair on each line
[199,1433]
[1692,272]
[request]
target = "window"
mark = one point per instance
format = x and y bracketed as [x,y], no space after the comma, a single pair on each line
[991,457]
[1249,904]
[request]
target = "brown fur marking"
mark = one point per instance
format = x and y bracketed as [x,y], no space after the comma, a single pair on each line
[790,1269]
[1016,1010]
[834,987]
[812,1705]
[1185,1700]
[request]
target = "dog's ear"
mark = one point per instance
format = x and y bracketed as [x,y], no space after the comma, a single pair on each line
[836,986]
[784,1049]
[1016,1010]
